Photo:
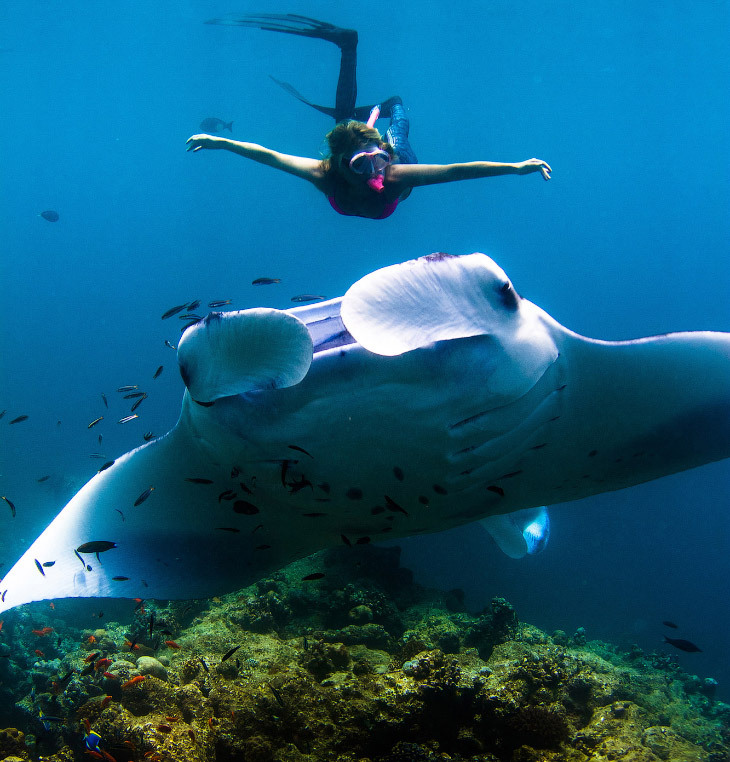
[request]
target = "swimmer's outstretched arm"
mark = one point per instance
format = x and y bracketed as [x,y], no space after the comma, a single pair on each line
[411,175]
[301,166]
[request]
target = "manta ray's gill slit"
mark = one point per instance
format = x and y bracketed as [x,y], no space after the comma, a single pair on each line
[511,446]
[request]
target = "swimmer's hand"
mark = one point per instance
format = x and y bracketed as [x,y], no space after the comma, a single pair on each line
[534,165]
[196,142]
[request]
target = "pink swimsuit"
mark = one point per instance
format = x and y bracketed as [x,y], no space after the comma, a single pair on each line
[387,211]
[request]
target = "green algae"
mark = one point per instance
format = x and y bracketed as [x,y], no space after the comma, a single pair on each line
[362,664]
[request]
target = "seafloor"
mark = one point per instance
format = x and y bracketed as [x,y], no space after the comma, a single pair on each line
[359,664]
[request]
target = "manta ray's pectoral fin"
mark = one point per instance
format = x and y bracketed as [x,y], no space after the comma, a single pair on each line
[231,353]
[520,533]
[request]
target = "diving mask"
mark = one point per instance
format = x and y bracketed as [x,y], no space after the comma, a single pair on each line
[370,162]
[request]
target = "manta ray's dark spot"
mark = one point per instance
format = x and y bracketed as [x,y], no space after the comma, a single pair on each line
[438,256]
[439,490]
[228,529]
[354,493]
[213,317]
[398,473]
[242,506]
[198,480]
[391,505]
[262,547]
[560,388]
[497,490]
[593,453]
[324,487]
[346,541]
[467,472]
[539,447]
[377,509]
[509,475]
[554,418]
[386,529]
[423,500]
[204,404]
[362,541]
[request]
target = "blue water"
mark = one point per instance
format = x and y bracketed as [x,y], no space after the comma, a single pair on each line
[627,101]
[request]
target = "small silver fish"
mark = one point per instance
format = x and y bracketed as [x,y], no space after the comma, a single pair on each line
[138,403]
[173,311]
[213,124]
[308,298]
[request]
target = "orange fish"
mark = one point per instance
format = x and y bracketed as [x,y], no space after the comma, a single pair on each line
[102,664]
[91,640]
[134,681]
[110,676]
[1,624]
[105,702]
[91,657]
[43,632]
[40,653]
[52,606]
[172,644]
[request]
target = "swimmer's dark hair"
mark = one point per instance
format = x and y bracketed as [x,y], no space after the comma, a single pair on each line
[347,138]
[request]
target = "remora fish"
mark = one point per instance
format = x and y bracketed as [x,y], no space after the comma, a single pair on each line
[430,387]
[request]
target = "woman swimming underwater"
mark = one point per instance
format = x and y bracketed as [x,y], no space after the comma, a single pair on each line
[366,174]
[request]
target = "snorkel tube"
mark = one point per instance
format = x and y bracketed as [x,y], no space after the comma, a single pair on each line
[376,182]
[374,114]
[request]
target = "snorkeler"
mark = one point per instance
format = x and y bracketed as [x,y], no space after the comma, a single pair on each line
[366,174]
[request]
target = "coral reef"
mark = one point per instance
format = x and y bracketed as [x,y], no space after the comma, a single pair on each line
[359,665]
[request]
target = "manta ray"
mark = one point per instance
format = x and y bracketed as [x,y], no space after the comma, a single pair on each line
[430,395]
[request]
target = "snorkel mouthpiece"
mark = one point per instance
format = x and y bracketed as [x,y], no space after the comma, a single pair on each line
[376,183]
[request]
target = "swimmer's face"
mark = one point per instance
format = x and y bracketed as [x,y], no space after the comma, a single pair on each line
[365,163]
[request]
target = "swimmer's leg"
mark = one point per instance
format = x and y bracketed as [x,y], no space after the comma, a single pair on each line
[345,39]
[397,132]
